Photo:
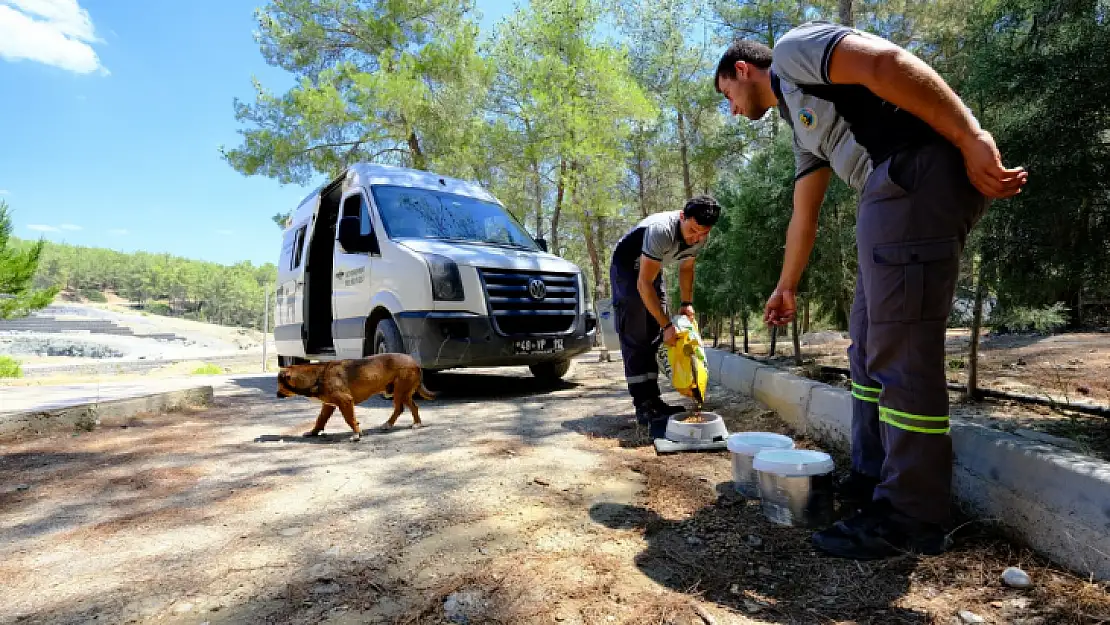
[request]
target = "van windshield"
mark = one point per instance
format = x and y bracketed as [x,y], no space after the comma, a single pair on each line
[424,214]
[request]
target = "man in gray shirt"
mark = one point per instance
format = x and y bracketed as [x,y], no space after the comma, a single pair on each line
[891,128]
[636,280]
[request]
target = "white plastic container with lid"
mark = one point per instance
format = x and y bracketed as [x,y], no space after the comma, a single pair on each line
[743,446]
[795,486]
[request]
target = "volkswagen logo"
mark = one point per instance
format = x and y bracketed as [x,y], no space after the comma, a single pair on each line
[537,290]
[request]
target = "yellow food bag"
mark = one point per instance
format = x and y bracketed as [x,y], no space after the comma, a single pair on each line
[685,362]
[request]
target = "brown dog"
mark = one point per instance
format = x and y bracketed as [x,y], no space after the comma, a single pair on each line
[344,383]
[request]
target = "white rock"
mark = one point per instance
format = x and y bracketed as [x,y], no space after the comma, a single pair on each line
[971,618]
[1016,578]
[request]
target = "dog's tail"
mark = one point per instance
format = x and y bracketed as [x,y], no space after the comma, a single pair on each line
[424,392]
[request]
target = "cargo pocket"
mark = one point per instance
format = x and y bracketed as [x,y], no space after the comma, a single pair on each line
[913,281]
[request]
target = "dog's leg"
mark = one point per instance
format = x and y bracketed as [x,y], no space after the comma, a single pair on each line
[348,409]
[416,424]
[398,408]
[321,420]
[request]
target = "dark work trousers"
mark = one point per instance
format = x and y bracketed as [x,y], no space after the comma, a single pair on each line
[915,213]
[638,332]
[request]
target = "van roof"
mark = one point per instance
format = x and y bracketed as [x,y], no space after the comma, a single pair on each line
[371,174]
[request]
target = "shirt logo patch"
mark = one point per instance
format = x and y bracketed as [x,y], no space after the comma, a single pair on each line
[807,118]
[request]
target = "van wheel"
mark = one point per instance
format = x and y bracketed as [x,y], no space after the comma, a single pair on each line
[550,372]
[285,361]
[387,338]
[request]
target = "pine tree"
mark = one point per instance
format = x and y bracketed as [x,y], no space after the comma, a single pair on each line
[17,271]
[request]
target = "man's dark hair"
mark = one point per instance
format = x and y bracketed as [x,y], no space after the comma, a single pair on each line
[741,50]
[703,209]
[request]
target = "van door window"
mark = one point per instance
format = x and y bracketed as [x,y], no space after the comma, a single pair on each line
[298,247]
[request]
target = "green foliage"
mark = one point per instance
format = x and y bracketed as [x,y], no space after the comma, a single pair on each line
[1039,73]
[584,117]
[388,81]
[1025,319]
[208,369]
[159,283]
[93,295]
[10,367]
[18,264]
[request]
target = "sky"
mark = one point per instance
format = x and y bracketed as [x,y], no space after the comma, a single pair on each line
[112,113]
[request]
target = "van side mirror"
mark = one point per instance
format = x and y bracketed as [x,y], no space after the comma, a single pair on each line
[542,242]
[352,239]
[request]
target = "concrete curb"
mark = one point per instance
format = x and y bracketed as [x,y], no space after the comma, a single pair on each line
[1055,500]
[85,417]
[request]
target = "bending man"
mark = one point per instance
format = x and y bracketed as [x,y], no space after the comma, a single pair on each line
[639,302]
[889,126]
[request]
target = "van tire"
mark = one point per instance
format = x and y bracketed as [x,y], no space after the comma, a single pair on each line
[285,361]
[551,371]
[387,338]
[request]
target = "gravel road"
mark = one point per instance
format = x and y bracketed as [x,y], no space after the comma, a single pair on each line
[229,516]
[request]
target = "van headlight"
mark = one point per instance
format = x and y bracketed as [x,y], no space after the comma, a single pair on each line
[446,281]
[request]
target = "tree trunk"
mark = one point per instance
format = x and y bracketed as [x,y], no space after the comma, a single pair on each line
[538,190]
[558,207]
[602,282]
[732,332]
[976,324]
[418,161]
[774,339]
[797,343]
[744,322]
[640,186]
[846,12]
[682,150]
[805,316]
[591,249]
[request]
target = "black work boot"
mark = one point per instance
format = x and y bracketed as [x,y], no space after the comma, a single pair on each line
[664,408]
[856,490]
[879,531]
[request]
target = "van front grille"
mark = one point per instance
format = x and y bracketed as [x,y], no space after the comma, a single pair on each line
[531,302]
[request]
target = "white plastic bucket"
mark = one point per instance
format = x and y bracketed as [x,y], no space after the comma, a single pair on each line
[743,447]
[795,486]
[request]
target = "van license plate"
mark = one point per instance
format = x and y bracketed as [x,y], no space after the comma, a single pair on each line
[538,346]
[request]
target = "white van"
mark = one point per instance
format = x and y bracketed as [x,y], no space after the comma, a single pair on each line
[387,259]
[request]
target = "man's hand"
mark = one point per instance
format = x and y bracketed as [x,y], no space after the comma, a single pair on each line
[670,335]
[780,307]
[687,310]
[985,170]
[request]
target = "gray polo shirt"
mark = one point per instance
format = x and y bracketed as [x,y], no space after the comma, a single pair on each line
[846,127]
[658,237]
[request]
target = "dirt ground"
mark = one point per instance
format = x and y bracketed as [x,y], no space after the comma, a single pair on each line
[1070,367]
[515,504]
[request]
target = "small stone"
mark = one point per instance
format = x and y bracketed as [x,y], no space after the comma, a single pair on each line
[541,482]
[183,607]
[735,589]
[290,531]
[23,487]
[328,588]
[1016,578]
[970,618]
[754,541]
[752,607]
[693,540]
[765,571]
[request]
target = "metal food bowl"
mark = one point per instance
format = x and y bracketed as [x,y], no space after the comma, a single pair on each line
[795,486]
[712,428]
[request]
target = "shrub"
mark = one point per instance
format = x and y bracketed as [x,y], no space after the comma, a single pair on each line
[10,367]
[1025,319]
[208,369]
